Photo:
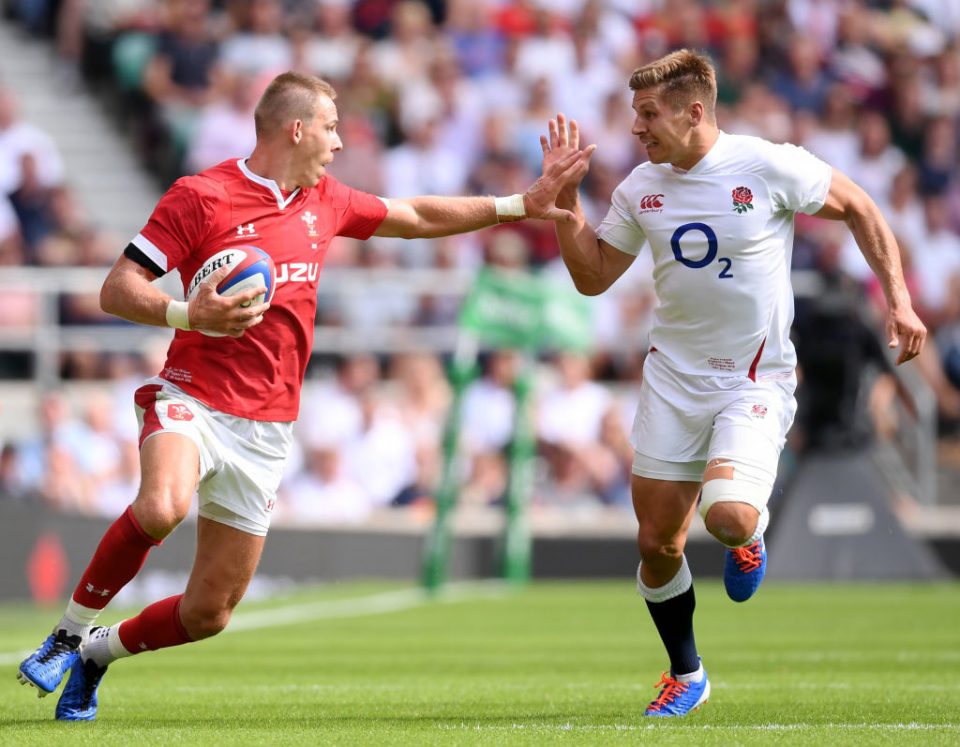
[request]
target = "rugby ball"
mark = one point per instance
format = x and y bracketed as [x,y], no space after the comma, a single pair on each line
[251,267]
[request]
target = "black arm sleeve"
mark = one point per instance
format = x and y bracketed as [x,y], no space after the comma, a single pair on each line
[132,252]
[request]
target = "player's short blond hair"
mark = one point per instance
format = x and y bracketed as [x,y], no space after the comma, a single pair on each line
[681,78]
[290,96]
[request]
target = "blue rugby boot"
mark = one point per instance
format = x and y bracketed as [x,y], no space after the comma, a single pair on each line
[79,699]
[678,698]
[743,570]
[46,667]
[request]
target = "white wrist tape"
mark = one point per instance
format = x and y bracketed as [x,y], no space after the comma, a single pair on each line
[510,207]
[177,315]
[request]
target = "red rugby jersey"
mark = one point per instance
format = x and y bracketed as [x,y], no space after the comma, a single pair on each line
[258,375]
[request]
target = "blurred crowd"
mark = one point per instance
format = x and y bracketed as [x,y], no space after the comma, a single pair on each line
[449,97]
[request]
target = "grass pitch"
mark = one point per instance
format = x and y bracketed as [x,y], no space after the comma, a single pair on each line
[554,663]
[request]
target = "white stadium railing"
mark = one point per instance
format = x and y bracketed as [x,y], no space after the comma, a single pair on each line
[910,461]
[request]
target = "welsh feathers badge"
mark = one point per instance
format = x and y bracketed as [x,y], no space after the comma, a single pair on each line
[742,200]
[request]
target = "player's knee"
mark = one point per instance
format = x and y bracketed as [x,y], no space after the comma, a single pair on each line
[204,622]
[730,505]
[159,512]
[655,547]
[732,523]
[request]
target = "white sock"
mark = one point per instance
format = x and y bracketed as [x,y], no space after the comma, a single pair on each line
[673,588]
[104,646]
[762,521]
[691,677]
[77,619]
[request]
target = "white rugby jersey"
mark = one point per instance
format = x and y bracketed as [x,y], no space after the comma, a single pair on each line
[722,238]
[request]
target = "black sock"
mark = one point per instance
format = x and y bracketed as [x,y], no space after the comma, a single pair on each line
[674,621]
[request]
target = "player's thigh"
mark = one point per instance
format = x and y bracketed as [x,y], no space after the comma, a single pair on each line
[169,473]
[241,491]
[664,510]
[745,447]
[675,415]
[225,562]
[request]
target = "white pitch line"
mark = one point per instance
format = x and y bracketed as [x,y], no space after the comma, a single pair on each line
[538,727]
[376,604]
[14,657]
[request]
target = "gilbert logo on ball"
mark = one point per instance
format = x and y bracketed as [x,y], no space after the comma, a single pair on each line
[250,267]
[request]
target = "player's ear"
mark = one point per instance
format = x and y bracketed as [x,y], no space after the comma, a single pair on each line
[296,131]
[696,113]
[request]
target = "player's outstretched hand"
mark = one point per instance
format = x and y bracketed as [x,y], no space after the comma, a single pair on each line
[540,200]
[904,326]
[562,139]
[228,315]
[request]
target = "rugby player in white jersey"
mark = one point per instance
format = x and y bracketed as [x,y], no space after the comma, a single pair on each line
[218,418]
[717,211]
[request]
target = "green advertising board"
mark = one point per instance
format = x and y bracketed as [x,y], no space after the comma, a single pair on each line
[523,310]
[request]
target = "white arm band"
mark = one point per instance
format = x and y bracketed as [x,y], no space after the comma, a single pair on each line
[177,315]
[510,207]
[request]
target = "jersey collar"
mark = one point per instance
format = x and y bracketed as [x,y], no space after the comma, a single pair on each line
[708,158]
[268,183]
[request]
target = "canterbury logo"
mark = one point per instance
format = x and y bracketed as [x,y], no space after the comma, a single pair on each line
[651,202]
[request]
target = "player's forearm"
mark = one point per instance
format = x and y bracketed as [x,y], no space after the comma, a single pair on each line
[131,296]
[879,247]
[581,252]
[445,216]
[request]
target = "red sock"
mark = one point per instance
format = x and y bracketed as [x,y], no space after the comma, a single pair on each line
[118,558]
[158,626]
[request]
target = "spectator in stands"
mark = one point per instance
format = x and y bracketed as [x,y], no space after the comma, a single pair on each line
[936,261]
[855,61]
[259,48]
[332,48]
[72,239]
[423,400]
[11,246]
[832,136]
[476,42]
[225,125]
[180,76]
[56,428]
[569,431]
[803,83]
[320,491]
[382,457]
[582,91]
[405,54]
[487,417]
[331,410]
[878,157]
[30,170]
[938,157]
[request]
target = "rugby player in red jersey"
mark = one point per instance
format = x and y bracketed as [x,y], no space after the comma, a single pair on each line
[219,417]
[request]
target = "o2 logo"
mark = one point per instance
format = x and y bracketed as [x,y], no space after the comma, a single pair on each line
[710,256]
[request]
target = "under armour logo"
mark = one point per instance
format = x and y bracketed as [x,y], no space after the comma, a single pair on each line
[246,230]
[91,589]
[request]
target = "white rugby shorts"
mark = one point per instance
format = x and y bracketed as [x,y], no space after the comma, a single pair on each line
[241,460]
[683,421]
